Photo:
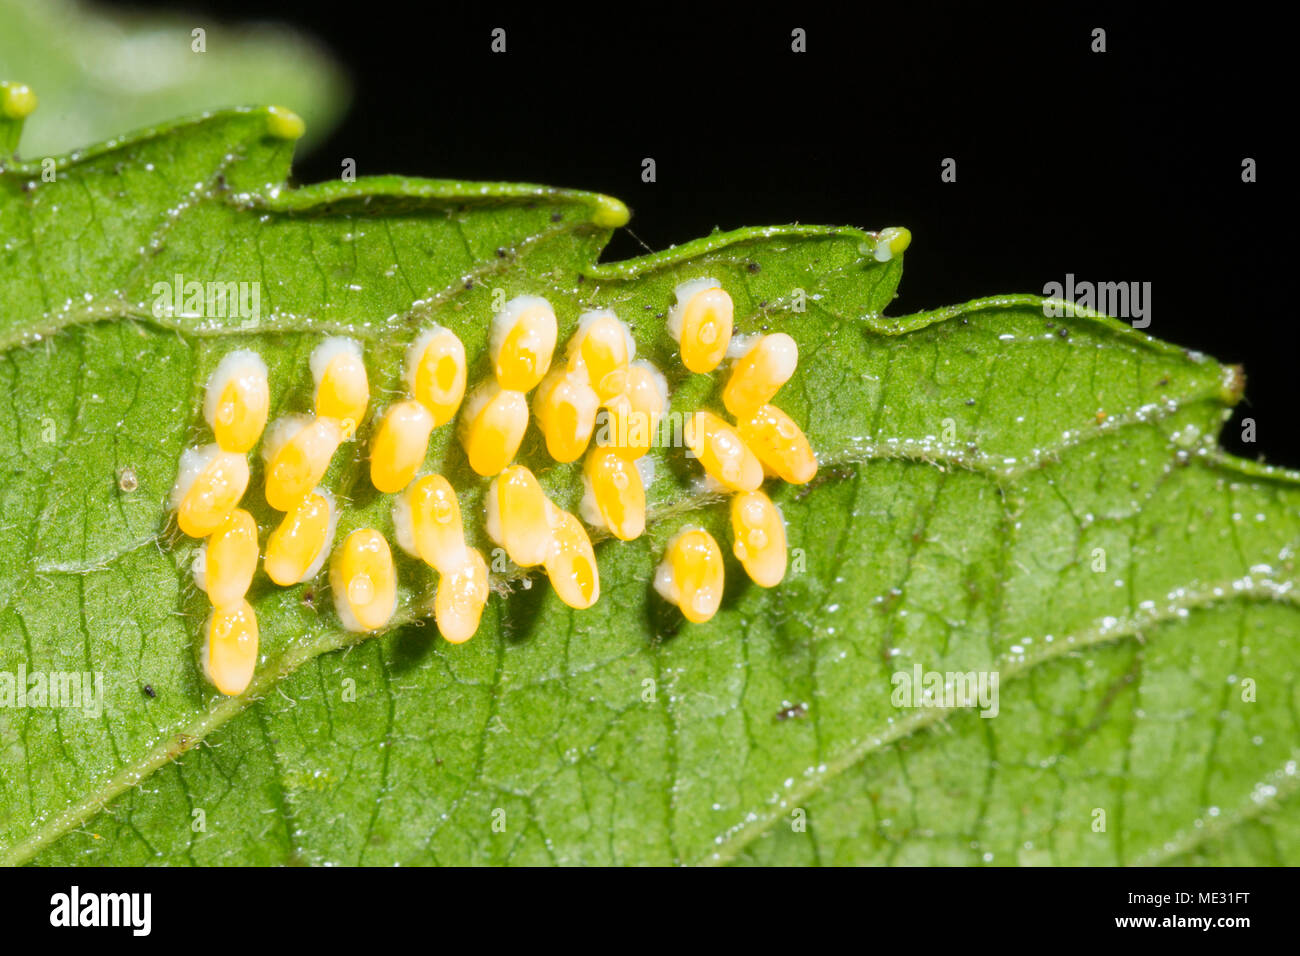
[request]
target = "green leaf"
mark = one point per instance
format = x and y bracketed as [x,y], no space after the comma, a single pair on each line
[973,463]
[102,73]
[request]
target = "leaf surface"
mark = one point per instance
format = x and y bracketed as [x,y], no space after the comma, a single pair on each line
[974,461]
[101,73]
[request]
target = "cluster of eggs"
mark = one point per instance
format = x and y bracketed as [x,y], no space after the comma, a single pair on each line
[211,481]
[763,441]
[598,372]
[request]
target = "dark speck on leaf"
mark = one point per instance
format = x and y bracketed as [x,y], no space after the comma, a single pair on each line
[309,598]
[794,711]
[556,217]
[753,267]
[964,321]
[149,691]
[970,401]
[28,186]
[501,252]
[1164,380]
[830,474]
[1063,333]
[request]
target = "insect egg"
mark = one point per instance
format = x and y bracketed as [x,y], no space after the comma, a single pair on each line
[601,345]
[236,401]
[565,406]
[523,340]
[364,581]
[492,425]
[701,322]
[635,410]
[397,451]
[229,559]
[691,574]
[571,562]
[298,452]
[723,453]
[230,647]
[779,444]
[614,497]
[759,373]
[342,388]
[428,522]
[892,241]
[758,537]
[518,516]
[296,549]
[435,372]
[208,487]
[462,592]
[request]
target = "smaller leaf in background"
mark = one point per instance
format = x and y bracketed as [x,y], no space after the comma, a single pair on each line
[100,74]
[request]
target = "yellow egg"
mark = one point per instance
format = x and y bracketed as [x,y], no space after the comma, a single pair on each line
[522,343]
[229,559]
[399,445]
[614,495]
[779,444]
[428,522]
[692,575]
[701,322]
[435,372]
[565,407]
[571,562]
[364,581]
[725,456]
[230,647]
[760,373]
[208,487]
[601,345]
[639,401]
[492,425]
[296,549]
[518,516]
[342,387]
[236,401]
[462,593]
[758,537]
[298,452]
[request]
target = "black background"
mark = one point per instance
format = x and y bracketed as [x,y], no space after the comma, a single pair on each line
[1121,166]
[333,910]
